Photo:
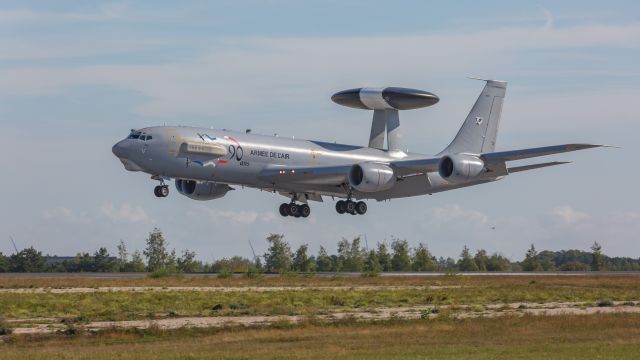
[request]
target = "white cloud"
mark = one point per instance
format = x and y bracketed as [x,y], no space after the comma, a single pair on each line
[126,213]
[455,213]
[63,215]
[254,66]
[568,215]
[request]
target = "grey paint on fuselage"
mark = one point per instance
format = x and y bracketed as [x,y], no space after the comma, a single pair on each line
[162,156]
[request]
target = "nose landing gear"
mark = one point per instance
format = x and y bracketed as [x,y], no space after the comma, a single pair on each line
[161,191]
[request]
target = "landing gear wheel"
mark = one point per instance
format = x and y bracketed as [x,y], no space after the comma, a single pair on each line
[283,209]
[156,191]
[294,210]
[361,207]
[341,207]
[350,207]
[164,191]
[305,210]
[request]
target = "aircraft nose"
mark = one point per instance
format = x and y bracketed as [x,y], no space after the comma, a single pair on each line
[118,149]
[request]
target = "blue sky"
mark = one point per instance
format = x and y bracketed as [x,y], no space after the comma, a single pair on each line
[76,76]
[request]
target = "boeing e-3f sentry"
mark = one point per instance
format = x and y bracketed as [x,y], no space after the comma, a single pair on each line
[206,163]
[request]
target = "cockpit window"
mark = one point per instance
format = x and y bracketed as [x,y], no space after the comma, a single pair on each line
[139,135]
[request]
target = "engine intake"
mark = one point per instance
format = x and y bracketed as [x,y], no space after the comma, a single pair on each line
[460,167]
[201,191]
[371,177]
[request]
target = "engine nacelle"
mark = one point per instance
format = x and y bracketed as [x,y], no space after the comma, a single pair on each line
[371,177]
[460,167]
[201,191]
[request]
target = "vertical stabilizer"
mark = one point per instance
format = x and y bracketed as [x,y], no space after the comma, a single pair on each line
[480,129]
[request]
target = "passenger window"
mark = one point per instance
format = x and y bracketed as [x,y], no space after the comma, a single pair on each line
[149,137]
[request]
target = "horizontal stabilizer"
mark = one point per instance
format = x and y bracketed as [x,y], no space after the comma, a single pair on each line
[536,166]
[535,152]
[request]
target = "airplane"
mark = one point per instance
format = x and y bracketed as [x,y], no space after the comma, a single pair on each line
[206,163]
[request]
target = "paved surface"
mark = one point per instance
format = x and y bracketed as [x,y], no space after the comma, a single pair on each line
[387,274]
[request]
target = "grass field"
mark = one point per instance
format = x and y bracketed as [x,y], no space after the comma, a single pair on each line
[443,334]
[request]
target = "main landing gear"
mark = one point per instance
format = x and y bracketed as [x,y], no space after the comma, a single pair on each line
[295,210]
[351,207]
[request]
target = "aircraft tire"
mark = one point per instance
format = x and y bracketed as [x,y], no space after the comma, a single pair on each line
[294,210]
[305,210]
[350,207]
[156,191]
[361,207]
[163,191]
[283,209]
[340,207]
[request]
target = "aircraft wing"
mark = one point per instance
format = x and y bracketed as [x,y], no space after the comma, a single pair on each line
[493,160]
[336,175]
[316,175]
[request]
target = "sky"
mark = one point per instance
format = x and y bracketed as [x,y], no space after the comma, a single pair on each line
[75,77]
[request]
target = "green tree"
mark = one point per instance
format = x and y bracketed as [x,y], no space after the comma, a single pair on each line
[137,263]
[466,262]
[103,262]
[233,265]
[123,256]
[278,256]
[597,259]
[356,257]
[156,252]
[4,263]
[547,260]
[323,260]
[27,260]
[423,260]
[498,262]
[384,257]
[481,259]
[187,263]
[531,261]
[301,260]
[372,263]
[401,260]
[342,262]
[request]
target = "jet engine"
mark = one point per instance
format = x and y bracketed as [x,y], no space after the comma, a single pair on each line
[460,167]
[201,191]
[371,177]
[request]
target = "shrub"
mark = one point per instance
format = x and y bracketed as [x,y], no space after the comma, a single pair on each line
[4,327]
[162,273]
[225,274]
[604,303]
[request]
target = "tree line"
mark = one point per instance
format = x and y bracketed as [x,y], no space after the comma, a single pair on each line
[351,256]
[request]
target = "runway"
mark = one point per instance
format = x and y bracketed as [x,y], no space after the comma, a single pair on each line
[99,275]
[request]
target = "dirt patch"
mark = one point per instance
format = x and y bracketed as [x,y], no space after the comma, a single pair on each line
[46,325]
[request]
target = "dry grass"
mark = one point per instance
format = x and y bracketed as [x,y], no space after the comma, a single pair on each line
[142,304]
[563,337]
